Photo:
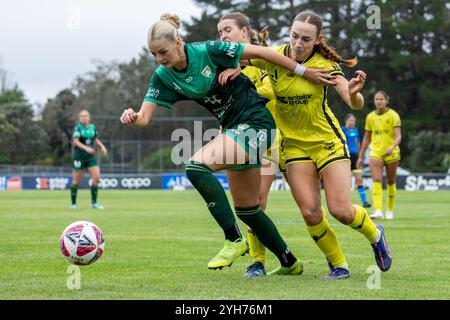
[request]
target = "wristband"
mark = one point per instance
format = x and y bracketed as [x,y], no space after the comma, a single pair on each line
[299,69]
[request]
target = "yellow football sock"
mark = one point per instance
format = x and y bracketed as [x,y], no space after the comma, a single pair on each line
[326,240]
[256,249]
[377,195]
[365,225]
[391,191]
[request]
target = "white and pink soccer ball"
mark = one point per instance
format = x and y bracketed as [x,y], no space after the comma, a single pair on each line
[82,243]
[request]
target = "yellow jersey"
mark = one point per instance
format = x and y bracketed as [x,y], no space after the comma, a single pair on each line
[382,128]
[302,109]
[263,86]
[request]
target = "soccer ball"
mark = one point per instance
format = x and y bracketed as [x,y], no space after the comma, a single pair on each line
[82,243]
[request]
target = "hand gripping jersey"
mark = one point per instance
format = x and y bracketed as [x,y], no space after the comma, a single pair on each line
[260,79]
[303,113]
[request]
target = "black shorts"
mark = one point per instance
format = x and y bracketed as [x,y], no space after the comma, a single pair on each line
[354,160]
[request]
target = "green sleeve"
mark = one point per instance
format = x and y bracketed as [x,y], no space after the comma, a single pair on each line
[160,94]
[76,133]
[225,54]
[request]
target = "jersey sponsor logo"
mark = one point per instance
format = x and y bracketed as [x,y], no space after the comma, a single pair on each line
[152,93]
[291,74]
[231,49]
[177,87]
[220,111]
[207,72]
[295,100]
[188,80]
[212,100]
[377,132]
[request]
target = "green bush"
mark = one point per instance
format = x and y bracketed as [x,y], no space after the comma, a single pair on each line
[159,160]
[430,151]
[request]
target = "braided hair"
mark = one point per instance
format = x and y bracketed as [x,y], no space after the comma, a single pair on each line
[323,48]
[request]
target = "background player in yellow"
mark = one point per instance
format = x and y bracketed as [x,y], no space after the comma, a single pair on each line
[383,133]
[314,144]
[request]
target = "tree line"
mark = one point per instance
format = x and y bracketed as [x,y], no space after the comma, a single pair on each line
[405,53]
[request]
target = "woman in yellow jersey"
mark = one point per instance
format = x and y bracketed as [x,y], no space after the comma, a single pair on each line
[314,146]
[383,133]
[235,27]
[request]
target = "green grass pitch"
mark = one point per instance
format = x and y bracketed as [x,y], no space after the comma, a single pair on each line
[158,244]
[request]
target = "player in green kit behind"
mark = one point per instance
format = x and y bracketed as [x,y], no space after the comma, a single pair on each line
[84,137]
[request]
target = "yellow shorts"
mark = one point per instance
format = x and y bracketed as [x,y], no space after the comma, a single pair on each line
[393,157]
[321,154]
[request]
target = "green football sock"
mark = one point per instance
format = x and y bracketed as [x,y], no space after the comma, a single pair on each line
[201,177]
[73,193]
[267,233]
[94,193]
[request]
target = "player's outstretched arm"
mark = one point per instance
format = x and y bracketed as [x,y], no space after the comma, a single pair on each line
[139,119]
[350,90]
[319,76]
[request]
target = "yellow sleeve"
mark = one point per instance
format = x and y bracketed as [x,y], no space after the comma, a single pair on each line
[265,87]
[368,126]
[396,120]
[336,69]
[261,64]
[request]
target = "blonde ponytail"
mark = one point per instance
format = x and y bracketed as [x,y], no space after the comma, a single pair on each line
[264,36]
[167,27]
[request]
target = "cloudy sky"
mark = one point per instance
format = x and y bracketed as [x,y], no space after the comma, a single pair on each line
[44,44]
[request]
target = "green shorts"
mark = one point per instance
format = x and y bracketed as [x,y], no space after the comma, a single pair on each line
[82,164]
[255,139]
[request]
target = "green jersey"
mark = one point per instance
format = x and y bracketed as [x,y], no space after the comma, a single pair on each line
[234,103]
[86,137]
